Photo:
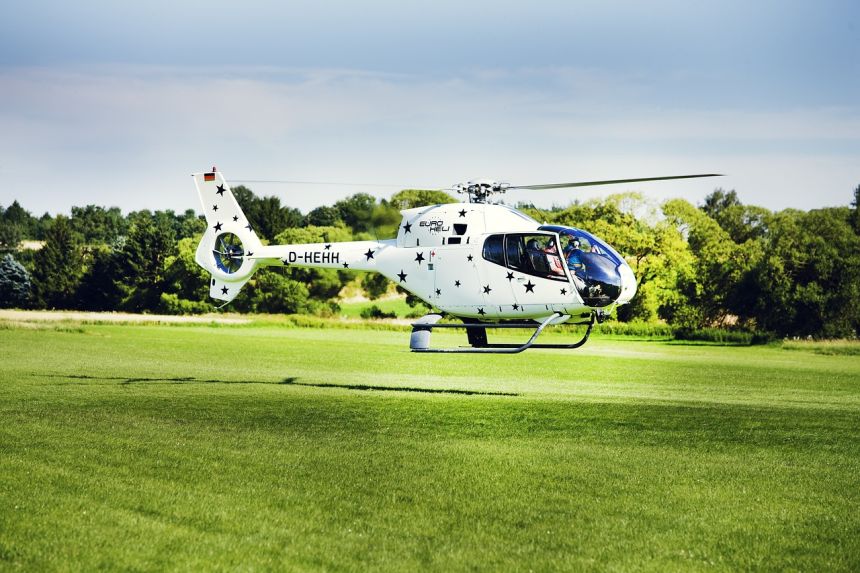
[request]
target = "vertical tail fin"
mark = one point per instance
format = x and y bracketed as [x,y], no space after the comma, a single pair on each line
[229,243]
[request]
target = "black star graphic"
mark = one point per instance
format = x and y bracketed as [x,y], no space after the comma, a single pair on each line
[218,226]
[463,213]
[369,254]
[469,258]
[407,228]
[456,283]
[438,292]
[214,207]
[487,289]
[419,257]
[516,307]
[402,276]
[224,290]
[510,276]
[529,287]
[235,218]
[249,254]
[481,311]
[328,247]
[564,291]
[248,226]
[346,265]
[220,190]
[286,262]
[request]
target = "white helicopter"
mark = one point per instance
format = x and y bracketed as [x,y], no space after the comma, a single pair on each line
[487,264]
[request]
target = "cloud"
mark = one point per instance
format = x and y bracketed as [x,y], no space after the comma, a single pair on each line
[74,136]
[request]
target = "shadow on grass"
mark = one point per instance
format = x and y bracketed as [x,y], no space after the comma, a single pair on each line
[293,382]
[162,379]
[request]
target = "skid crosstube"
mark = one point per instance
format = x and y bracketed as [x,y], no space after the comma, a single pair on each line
[477,336]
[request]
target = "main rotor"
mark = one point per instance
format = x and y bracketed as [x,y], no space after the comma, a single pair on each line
[481,190]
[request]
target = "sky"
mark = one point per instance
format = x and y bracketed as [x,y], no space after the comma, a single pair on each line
[116,104]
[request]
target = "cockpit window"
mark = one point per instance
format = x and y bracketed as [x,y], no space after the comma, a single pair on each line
[593,265]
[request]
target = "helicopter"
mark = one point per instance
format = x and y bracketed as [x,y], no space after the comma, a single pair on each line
[480,261]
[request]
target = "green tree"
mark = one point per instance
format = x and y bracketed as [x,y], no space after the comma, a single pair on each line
[741,222]
[411,198]
[10,236]
[266,214]
[322,284]
[855,215]
[324,216]
[100,287]
[98,225]
[143,276]
[357,211]
[186,288]
[58,266]
[14,284]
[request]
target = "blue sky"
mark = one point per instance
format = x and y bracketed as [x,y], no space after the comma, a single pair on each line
[115,104]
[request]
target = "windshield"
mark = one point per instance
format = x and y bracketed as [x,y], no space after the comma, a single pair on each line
[593,264]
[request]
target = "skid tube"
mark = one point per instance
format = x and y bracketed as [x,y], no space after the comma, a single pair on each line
[477,332]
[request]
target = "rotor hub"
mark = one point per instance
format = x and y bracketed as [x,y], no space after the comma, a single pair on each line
[482,190]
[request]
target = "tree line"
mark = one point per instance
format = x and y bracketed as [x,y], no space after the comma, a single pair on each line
[718,264]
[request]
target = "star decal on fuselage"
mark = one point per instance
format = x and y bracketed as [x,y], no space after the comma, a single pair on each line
[469,258]
[220,190]
[214,207]
[419,257]
[224,290]
[481,311]
[563,291]
[346,265]
[516,307]
[407,228]
[235,218]
[510,276]
[487,289]
[402,276]
[369,254]
[217,226]
[328,246]
[529,286]
[438,292]
[457,284]
[463,213]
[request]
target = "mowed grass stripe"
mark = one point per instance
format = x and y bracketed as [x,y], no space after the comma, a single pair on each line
[181,448]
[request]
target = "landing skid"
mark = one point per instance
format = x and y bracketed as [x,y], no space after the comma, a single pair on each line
[477,335]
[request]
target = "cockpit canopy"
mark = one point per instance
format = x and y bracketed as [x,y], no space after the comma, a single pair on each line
[594,265]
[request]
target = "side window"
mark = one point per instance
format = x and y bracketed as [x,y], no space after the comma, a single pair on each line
[494,249]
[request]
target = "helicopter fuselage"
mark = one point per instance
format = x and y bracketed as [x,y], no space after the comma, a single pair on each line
[479,261]
[476,261]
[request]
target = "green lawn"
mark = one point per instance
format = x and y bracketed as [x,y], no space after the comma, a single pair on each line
[396,305]
[263,447]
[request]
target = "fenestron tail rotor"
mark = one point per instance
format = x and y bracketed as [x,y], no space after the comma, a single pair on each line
[228,252]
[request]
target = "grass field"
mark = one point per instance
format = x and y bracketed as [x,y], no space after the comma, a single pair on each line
[262,447]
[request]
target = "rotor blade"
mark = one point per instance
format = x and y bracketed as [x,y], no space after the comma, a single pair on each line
[332,183]
[609,182]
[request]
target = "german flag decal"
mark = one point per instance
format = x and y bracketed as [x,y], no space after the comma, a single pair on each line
[208,177]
